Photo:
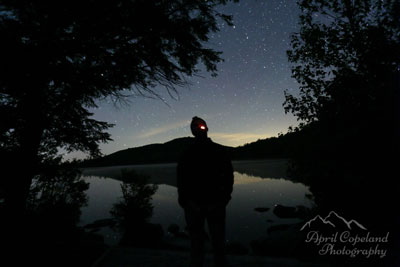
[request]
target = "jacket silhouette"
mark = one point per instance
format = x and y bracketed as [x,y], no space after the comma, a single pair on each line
[205,183]
[205,174]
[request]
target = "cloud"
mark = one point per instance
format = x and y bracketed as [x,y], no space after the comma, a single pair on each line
[237,139]
[165,128]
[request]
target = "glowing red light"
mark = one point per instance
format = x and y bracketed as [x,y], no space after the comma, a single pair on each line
[202,127]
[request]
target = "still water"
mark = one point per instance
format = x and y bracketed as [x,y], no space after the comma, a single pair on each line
[257,184]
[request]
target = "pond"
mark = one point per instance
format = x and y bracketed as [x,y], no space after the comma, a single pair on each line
[257,184]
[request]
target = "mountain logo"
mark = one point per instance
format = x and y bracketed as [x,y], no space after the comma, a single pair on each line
[333,220]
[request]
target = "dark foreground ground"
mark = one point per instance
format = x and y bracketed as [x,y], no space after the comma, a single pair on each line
[128,256]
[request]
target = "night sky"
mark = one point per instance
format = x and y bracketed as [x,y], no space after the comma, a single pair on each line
[242,104]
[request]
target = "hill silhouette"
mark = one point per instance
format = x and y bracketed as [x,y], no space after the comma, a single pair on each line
[148,154]
[274,147]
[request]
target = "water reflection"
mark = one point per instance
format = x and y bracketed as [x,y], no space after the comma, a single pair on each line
[103,193]
[49,230]
[244,223]
[54,204]
[133,211]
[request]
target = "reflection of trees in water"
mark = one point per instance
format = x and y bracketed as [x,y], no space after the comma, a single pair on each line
[134,210]
[57,196]
[48,233]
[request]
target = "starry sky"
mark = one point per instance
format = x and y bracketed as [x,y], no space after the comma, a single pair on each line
[241,105]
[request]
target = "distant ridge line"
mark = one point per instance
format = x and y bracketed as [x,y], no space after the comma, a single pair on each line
[168,152]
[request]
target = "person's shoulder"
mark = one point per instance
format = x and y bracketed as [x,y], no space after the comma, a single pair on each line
[216,145]
[220,148]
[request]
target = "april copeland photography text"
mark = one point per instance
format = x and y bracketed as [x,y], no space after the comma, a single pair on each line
[343,243]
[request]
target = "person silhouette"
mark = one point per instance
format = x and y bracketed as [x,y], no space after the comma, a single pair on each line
[205,184]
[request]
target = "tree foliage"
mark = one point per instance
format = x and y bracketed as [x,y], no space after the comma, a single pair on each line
[134,211]
[57,58]
[346,59]
[56,198]
[135,208]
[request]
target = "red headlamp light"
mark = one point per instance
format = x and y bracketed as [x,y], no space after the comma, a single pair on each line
[202,127]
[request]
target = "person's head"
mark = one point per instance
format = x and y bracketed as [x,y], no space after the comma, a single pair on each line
[199,127]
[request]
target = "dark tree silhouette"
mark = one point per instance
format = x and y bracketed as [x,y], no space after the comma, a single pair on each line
[59,57]
[346,59]
[133,212]
[50,231]
[56,198]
